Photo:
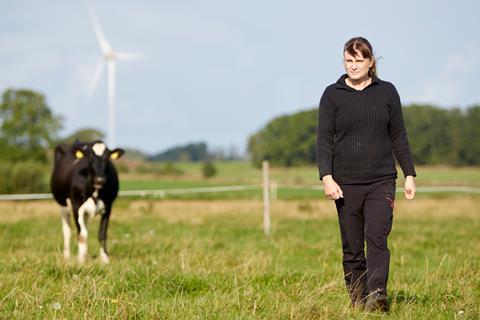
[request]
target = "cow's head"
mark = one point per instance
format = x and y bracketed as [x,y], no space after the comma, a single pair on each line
[97,154]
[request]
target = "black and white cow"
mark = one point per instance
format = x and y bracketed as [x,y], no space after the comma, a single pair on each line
[84,181]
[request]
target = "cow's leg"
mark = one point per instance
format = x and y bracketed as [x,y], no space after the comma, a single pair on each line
[84,211]
[102,233]
[67,231]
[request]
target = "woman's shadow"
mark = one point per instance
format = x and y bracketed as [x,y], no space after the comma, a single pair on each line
[403,298]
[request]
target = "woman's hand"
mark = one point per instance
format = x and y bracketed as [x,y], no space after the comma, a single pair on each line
[331,188]
[410,188]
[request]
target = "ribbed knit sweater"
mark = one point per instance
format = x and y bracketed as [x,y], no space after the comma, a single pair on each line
[359,131]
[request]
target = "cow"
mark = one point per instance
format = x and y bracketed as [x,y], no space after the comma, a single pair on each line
[84,182]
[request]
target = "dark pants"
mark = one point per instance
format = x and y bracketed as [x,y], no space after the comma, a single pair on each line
[365,213]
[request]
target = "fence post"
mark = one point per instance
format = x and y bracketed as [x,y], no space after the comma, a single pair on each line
[266,199]
[273,190]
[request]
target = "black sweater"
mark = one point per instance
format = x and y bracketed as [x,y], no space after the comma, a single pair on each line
[357,132]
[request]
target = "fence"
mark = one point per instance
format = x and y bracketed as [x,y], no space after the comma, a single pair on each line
[273,190]
[269,191]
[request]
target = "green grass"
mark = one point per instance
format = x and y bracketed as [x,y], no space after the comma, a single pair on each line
[210,260]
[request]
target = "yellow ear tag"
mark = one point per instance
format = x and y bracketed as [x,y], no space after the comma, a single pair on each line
[114,155]
[79,154]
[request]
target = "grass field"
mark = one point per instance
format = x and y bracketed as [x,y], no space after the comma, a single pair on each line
[195,259]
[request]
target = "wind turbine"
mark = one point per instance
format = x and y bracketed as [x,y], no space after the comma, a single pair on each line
[109,57]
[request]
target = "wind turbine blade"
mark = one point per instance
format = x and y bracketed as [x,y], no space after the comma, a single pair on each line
[102,41]
[129,56]
[95,78]
[111,103]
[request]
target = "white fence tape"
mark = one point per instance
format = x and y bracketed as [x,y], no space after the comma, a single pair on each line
[32,196]
[140,193]
[164,192]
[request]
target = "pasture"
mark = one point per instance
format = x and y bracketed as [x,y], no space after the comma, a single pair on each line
[208,259]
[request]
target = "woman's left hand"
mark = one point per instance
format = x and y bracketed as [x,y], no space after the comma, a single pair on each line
[410,188]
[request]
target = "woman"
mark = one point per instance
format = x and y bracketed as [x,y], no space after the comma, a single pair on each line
[360,123]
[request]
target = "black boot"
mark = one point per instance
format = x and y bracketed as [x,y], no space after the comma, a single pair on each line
[377,301]
[357,294]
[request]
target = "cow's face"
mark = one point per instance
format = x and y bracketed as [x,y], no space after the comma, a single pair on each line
[97,155]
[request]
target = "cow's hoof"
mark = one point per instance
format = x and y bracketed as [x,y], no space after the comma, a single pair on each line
[81,260]
[66,255]
[105,260]
[104,257]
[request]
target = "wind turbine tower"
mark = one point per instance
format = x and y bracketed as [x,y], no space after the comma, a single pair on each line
[109,58]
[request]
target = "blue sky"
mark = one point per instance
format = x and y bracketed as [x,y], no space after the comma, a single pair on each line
[217,71]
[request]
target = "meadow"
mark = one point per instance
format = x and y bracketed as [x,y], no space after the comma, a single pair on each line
[209,259]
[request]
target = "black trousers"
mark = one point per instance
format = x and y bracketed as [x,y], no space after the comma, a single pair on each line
[365,213]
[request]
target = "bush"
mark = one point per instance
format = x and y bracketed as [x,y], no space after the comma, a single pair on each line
[208,169]
[23,177]
[122,167]
[287,140]
[5,177]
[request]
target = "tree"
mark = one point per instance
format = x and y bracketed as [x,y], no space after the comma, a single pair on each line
[471,133]
[191,152]
[86,135]
[208,169]
[427,129]
[28,126]
[287,140]
[436,136]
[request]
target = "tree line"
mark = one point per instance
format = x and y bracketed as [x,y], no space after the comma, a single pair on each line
[196,152]
[191,152]
[29,130]
[436,136]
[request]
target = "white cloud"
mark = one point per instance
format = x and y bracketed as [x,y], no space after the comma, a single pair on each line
[456,82]
[217,71]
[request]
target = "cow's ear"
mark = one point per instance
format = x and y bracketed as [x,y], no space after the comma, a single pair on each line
[117,153]
[79,154]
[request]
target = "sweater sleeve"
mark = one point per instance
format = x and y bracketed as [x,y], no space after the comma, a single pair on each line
[325,136]
[398,135]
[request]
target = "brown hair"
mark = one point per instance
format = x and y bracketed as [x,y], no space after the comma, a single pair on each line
[365,48]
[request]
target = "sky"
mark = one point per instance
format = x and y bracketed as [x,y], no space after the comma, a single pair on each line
[218,71]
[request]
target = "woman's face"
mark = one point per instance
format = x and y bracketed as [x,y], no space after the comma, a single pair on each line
[356,67]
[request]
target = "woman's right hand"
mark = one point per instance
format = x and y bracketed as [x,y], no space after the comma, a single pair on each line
[331,188]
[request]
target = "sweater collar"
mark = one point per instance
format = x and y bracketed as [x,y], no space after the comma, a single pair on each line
[341,84]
